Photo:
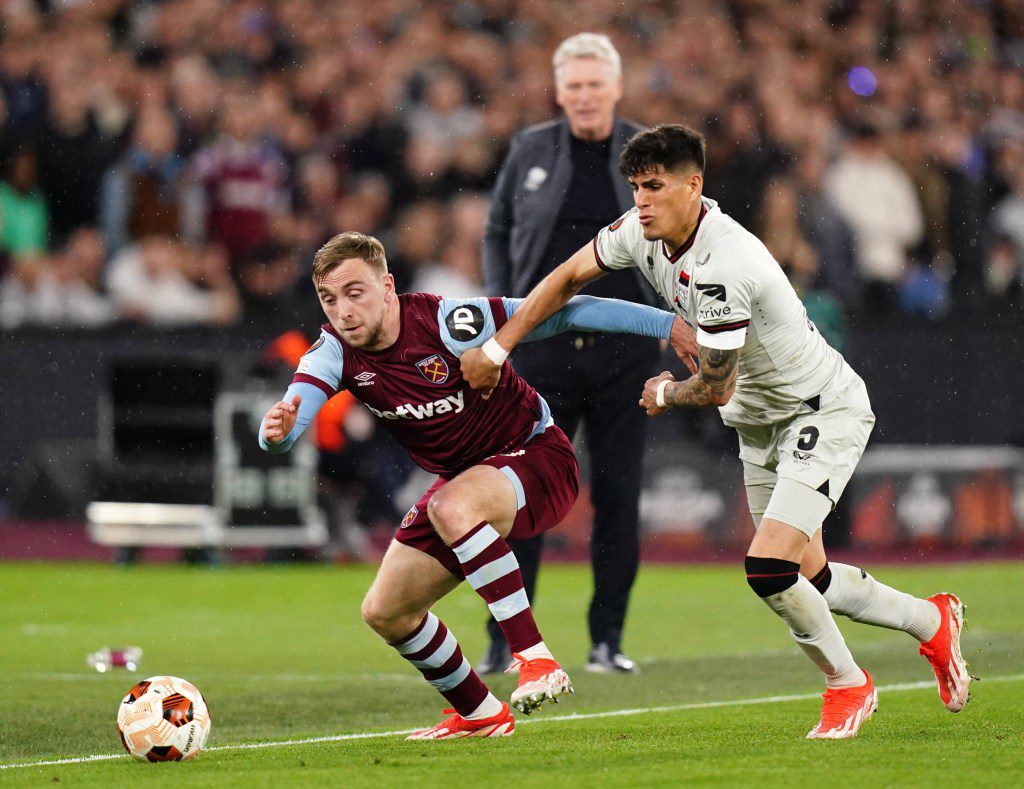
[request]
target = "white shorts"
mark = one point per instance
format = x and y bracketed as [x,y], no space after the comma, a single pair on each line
[795,471]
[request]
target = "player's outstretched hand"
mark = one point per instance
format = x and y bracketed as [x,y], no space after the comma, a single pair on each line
[479,371]
[280,420]
[683,340]
[649,400]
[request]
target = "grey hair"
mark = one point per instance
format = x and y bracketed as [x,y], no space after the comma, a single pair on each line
[588,45]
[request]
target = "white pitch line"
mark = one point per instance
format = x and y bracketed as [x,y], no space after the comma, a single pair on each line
[701,705]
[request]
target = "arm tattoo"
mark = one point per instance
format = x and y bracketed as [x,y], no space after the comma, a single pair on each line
[712,385]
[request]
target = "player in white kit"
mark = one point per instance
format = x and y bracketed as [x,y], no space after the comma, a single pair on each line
[802,414]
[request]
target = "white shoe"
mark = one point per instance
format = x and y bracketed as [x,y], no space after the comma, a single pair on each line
[540,680]
[604,659]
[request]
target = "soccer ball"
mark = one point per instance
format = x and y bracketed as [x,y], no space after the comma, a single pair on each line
[163,719]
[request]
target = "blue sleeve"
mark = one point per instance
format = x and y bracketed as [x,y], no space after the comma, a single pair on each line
[325,361]
[465,323]
[589,313]
[313,399]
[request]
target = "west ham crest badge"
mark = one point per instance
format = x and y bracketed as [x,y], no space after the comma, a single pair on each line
[433,368]
[410,516]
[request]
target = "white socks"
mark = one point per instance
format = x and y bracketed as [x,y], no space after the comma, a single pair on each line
[538,650]
[848,591]
[488,708]
[813,628]
[855,594]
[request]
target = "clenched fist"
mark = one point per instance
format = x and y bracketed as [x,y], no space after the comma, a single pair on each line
[280,420]
[649,401]
[480,372]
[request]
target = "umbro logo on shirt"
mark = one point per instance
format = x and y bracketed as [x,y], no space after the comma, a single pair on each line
[365,379]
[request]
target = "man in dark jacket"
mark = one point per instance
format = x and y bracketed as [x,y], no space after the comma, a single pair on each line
[558,186]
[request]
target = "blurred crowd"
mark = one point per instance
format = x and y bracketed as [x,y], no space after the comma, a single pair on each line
[177,162]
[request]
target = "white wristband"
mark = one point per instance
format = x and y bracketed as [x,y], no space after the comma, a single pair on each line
[493,351]
[659,397]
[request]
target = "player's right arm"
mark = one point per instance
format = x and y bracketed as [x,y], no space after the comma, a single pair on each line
[712,385]
[317,379]
[482,367]
[288,418]
[723,294]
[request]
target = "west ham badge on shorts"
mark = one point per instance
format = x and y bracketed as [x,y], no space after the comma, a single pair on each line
[410,516]
[433,368]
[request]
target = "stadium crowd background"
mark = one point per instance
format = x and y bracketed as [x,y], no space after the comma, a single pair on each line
[177,162]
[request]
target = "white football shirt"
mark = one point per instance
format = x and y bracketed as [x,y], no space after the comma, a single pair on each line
[724,282]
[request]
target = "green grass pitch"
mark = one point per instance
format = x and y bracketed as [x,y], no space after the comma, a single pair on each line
[281,654]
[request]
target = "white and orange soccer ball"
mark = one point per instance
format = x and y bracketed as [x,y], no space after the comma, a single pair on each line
[163,719]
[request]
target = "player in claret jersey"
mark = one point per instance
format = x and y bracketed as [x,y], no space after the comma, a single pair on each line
[505,471]
[801,413]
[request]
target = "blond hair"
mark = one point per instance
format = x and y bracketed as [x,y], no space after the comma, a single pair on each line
[346,246]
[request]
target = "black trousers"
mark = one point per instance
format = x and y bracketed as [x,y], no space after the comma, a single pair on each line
[596,379]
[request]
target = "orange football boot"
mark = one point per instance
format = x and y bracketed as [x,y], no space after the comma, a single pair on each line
[844,710]
[943,652]
[500,725]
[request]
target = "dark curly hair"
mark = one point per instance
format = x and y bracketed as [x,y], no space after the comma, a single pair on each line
[670,145]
